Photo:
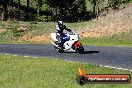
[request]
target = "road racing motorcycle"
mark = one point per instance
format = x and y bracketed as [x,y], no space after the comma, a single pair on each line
[71,42]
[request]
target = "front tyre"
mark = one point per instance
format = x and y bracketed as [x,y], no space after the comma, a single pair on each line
[58,49]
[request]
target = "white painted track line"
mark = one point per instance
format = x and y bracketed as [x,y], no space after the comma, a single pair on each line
[86,63]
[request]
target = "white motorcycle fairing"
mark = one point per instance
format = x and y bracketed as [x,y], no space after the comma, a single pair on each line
[68,45]
[73,38]
[53,36]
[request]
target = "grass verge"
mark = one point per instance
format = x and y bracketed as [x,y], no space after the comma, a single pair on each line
[28,72]
[31,29]
[123,39]
[105,42]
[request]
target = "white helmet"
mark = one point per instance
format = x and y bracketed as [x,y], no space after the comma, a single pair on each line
[60,23]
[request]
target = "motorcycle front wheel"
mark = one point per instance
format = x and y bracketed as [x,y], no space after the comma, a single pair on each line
[58,49]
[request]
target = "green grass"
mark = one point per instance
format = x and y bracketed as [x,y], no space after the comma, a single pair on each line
[27,72]
[105,42]
[32,28]
[23,42]
[40,28]
[123,39]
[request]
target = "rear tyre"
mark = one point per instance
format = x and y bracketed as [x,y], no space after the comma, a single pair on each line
[80,49]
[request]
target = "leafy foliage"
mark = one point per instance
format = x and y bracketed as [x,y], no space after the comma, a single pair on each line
[70,10]
[52,10]
[14,29]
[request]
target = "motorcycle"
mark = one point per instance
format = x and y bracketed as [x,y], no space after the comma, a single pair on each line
[71,42]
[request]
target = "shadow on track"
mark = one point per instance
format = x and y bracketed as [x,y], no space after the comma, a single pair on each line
[90,52]
[85,52]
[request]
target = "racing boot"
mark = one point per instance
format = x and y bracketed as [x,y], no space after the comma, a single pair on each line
[61,45]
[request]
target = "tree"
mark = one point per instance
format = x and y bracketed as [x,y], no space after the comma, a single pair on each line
[116,4]
[5,11]
[11,9]
[39,5]
[94,6]
[68,10]
[27,12]
[19,9]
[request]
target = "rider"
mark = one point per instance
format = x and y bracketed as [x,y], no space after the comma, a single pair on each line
[59,30]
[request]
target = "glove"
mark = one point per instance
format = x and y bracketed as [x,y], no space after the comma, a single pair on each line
[57,34]
[68,30]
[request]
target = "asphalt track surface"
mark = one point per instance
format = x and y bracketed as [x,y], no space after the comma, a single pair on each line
[120,57]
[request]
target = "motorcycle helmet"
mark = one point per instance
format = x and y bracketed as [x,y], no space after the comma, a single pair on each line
[60,23]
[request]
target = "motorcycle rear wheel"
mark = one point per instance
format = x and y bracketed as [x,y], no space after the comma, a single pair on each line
[80,49]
